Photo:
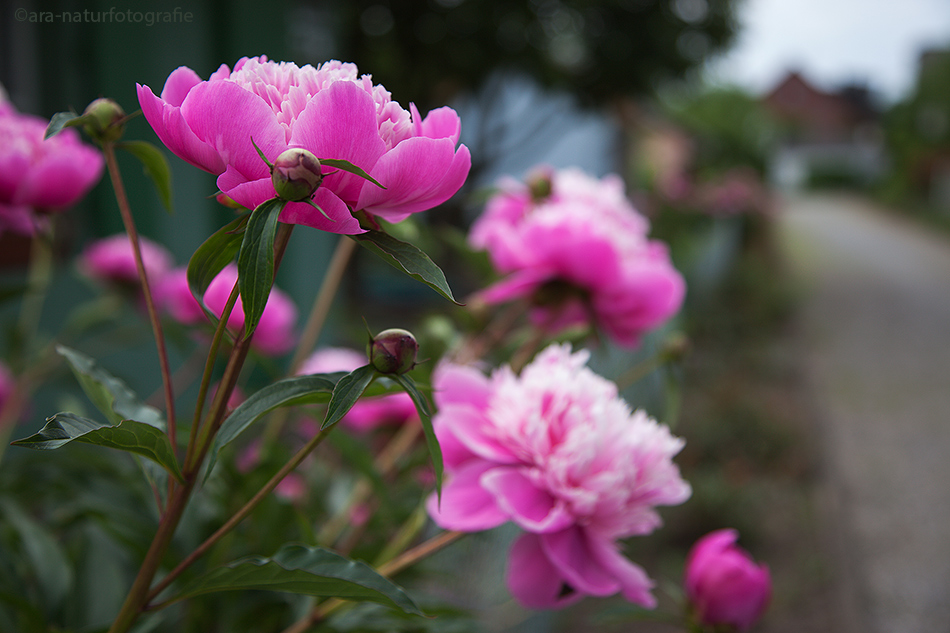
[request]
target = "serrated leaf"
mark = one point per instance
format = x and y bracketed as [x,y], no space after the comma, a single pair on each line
[300,569]
[211,257]
[408,259]
[256,261]
[347,166]
[62,120]
[312,389]
[346,392]
[129,435]
[156,167]
[425,416]
[112,397]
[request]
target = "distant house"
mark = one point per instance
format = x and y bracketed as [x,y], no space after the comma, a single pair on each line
[825,132]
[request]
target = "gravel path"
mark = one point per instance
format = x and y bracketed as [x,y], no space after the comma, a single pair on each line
[876,339]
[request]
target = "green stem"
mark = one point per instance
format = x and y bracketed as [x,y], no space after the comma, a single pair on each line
[241,514]
[108,150]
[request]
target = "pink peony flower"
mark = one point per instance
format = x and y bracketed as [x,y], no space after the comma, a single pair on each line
[275,331]
[581,254]
[723,584]
[368,413]
[38,177]
[112,259]
[328,110]
[559,453]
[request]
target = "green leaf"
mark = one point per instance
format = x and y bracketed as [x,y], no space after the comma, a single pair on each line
[425,416]
[346,392]
[345,165]
[62,120]
[310,389]
[156,167]
[407,258]
[129,435]
[46,556]
[212,256]
[300,569]
[256,261]
[112,397]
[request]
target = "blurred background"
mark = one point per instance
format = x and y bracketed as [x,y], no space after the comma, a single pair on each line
[796,158]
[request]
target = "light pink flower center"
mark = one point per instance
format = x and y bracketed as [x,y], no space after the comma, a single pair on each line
[287,89]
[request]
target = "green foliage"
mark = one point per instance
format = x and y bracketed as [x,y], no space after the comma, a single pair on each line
[406,258]
[256,261]
[156,167]
[212,256]
[346,392]
[425,416]
[312,571]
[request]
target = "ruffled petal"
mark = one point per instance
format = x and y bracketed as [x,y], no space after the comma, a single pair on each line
[570,552]
[439,123]
[175,134]
[340,219]
[532,508]
[472,429]
[339,122]
[182,80]
[466,506]
[461,384]
[635,585]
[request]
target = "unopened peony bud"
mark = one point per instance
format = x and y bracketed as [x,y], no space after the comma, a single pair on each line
[725,587]
[539,183]
[393,351]
[104,120]
[296,175]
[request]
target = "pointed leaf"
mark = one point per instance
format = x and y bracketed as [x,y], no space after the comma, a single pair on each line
[300,569]
[156,167]
[212,256]
[407,258]
[347,391]
[310,389]
[129,435]
[345,165]
[425,416]
[62,120]
[256,261]
[112,397]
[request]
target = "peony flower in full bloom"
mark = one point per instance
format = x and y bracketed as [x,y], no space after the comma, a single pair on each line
[39,177]
[330,111]
[368,413]
[578,250]
[559,453]
[275,333]
[723,584]
[111,259]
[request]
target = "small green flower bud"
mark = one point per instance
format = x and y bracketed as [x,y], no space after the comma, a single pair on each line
[539,183]
[296,175]
[393,351]
[104,120]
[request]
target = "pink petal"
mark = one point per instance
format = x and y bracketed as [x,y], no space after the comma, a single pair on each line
[175,134]
[570,552]
[339,122]
[473,430]
[340,219]
[454,452]
[61,177]
[466,506]
[461,384]
[635,585]
[532,508]
[226,117]
[439,123]
[419,173]
[182,80]
[519,284]
[533,580]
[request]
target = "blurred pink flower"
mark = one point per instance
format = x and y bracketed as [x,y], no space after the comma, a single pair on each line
[723,584]
[368,413]
[111,259]
[7,382]
[38,177]
[581,254]
[275,333]
[329,110]
[559,453]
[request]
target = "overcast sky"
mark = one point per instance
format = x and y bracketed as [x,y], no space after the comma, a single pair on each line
[832,42]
